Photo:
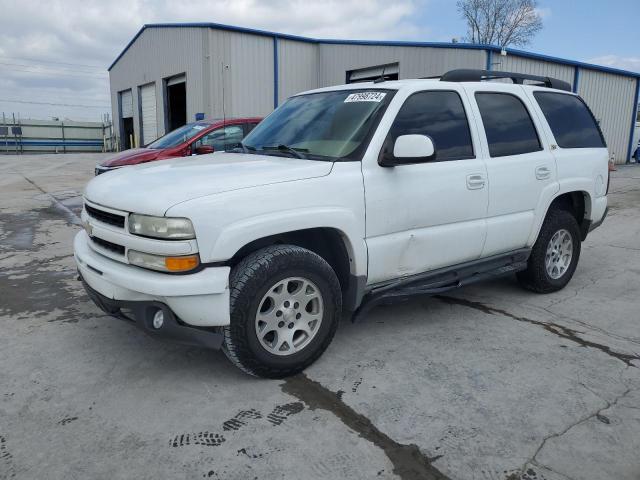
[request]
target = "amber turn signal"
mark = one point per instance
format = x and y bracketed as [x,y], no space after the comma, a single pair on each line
[181,264]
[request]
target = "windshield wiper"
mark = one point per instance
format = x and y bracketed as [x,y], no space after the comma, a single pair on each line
[242,148]
[286,148]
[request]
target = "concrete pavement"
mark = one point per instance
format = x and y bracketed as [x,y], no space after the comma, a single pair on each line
[489,382]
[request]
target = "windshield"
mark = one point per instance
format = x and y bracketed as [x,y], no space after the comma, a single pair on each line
[178,136]
[321,126]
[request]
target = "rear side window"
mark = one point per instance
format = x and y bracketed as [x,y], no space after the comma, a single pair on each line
[508,125]
[440,115]
[571,122]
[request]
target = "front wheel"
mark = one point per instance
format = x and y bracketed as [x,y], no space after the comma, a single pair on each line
[285,309]
[555,254]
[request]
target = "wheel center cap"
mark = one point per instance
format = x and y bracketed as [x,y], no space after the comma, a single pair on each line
[288,314]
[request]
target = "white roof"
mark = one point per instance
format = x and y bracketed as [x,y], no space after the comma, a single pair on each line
[414,83]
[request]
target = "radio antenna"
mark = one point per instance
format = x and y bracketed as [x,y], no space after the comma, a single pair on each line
[224,111]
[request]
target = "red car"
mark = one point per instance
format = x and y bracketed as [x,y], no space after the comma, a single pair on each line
[206,136]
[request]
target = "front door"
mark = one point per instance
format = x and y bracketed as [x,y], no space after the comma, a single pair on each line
[423,216]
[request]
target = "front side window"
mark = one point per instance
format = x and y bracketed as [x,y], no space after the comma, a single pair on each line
[508,125]
[321,126]
[439,115]
[222,138]
[571,122]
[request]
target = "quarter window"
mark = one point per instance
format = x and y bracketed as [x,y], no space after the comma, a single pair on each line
[571,122]
[507,123]
[441,116]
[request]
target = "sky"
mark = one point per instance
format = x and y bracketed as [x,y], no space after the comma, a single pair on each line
[54,54]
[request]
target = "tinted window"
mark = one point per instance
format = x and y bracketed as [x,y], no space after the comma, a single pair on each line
[570,120]
[178,136]
[249,126]
[508,125]
[321,126]
[440,115]
[223,138]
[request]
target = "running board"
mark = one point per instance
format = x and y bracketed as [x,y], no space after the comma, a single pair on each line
[443,280]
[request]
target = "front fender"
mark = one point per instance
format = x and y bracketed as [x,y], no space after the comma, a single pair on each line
[238,234]
[227,221]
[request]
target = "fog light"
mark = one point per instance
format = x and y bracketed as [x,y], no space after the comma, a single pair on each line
[158,319]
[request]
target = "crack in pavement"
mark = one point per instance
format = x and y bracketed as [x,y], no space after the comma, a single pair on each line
[601,330]
[623,247]
[409,463]
[596,414]
[559,330]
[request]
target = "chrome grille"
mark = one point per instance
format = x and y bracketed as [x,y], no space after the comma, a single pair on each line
[104,216]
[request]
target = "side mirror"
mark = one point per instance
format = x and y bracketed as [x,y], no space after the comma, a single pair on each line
[409,149]
[203,150]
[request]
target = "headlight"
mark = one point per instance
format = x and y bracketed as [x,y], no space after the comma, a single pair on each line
[163,264]
[161,227]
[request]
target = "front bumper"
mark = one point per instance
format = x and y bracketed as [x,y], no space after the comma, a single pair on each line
[198,299]
[141,313]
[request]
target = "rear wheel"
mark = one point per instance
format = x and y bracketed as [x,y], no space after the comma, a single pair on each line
[555,254]
[285,308]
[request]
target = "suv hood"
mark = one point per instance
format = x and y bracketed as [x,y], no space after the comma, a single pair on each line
[153,188]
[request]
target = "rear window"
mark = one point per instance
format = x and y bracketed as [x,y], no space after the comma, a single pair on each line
[571,122]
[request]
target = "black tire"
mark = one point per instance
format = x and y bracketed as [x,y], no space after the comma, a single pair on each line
[249,282]
[535,277]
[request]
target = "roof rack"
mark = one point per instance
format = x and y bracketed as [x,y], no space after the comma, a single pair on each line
[470,75]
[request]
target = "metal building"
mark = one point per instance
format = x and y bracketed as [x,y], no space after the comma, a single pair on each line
[170,74]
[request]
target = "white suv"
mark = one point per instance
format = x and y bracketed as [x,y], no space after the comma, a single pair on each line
[342,198]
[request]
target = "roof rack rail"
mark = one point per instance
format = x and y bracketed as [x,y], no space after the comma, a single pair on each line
[470,75]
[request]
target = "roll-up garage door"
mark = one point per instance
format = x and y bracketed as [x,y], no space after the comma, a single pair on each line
[149,117]
[127,104]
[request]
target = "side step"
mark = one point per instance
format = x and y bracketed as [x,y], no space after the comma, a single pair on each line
[443,280]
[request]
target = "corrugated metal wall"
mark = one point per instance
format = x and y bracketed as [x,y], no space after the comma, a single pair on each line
[610,97]
[231,73]
[513,63]
[298,64]
[337,59]
[243,65]
[156,54]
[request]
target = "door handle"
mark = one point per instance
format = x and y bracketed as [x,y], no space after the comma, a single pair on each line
[475,181]
[542,173]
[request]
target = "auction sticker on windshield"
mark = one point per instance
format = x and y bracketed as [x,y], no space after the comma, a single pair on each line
[365,97]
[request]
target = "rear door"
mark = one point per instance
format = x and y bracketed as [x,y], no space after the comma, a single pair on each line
[423,216]
[521,169]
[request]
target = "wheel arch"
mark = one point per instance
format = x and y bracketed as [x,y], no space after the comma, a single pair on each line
[332,244]
[576,202]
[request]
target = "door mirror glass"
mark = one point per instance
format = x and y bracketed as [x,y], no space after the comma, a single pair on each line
[409,149]
[203,150]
